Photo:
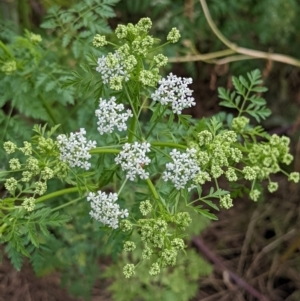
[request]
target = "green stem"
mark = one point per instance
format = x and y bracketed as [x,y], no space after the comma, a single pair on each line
[152,189]
[218,188]
[158,47]
[99,150]
[121,188]
[132,129]
[133,120]
[169,144]
[244,101]
[66,204]
[56,194]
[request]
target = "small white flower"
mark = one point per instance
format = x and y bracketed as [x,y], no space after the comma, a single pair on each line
[132,159]
[183,169]
[105,209]
[110,115]
[174,90]
[75,149]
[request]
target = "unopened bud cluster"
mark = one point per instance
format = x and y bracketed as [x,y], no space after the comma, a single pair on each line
[159,237]
[135,47]
[38,164]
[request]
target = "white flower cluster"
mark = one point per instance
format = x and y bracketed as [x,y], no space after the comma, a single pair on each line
[110,115]
[174,90]
[183,169]
[132,159]
[75,149]
[112,66]
[105,209]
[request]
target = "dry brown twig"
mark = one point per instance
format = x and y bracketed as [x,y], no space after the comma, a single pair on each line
[226,56]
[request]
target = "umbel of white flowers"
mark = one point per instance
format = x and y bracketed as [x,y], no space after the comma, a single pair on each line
[105,208]
[74,149]
[133,158]
[183,169]
[111,115]
[174,90]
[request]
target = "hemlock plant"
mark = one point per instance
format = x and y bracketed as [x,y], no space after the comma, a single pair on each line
[142,148]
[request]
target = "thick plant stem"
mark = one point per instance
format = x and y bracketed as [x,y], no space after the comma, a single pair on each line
[66,204]
[133,120]
[152,189]
[56,194]
[132,129]
[99,150]
[169,144]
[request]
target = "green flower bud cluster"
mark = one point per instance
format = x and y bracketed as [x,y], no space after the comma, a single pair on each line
[273,186]
[173,35]
[9,147]
[29,204]
[226,201]
[239,124]
[266,157]
[129,270]
[47,146]
[14,164]
[220,153]
[159,242]
[11,184]
[145,207]
[254,195]
[9,67]
[128,61]
[99,41]
[294,176]
[27,149]
[38,163]
[126,225]
[35,38]
[216,153]
[129,246]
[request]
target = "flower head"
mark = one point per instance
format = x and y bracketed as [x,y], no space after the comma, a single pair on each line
[111,115]
[113,67]
[183,169]
[9,67]
[105,208]
[29,204]
[132,159]
[173,35]
[174,90]
[75,149]
[99,41]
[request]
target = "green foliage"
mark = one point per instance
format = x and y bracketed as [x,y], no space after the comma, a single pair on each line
[23,231]
[177,284]
[245,98]
[77,25]
[141,178]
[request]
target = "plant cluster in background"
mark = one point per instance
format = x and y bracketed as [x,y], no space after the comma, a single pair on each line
[139,176]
